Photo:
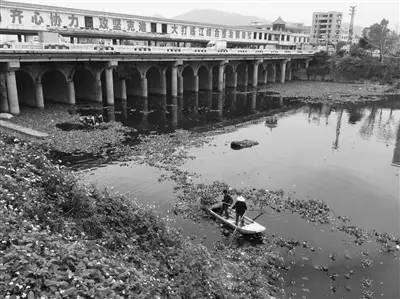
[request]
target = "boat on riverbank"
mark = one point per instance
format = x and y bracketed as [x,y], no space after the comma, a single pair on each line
[249,226]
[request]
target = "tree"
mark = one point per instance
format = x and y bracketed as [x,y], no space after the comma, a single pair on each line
[339,46]
[379,37]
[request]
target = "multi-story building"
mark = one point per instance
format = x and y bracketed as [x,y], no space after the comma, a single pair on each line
[23,22]
[297,35]
[326,27]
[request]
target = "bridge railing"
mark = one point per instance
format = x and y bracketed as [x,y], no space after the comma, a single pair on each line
[97,48]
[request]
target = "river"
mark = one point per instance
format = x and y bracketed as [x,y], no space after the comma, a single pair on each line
[347,155]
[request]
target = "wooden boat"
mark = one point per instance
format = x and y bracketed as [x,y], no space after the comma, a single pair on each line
[249,225]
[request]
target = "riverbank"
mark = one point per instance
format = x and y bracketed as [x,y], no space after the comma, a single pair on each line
[333,92]
[102,140]
[61,239]
[109,138]
[241,272]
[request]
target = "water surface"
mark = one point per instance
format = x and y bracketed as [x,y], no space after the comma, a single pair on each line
[346,155]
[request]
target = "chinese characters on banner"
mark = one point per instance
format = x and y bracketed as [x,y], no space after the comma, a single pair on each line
[56,19]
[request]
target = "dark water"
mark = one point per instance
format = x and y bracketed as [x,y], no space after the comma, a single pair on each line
[346,155]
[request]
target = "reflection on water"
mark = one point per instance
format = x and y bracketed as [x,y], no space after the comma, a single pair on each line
[344,154]
[163,114]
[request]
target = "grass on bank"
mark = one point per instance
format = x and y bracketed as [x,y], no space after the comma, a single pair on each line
[60,239]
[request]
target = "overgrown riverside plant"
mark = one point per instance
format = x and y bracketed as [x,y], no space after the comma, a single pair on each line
[356,66]
[61,239]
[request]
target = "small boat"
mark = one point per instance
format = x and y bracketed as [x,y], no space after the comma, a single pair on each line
[249,225]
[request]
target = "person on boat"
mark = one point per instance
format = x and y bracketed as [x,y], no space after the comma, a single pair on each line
[227,201]
[240,208]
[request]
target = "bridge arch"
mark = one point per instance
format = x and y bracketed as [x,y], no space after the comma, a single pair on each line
[25,88]
[242,74]
[229,73]
[133,82]
[154,84]
[54,84]
[86,86]
[188,75]
[204,77]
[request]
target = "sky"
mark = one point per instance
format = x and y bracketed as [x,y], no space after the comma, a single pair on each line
[367,12]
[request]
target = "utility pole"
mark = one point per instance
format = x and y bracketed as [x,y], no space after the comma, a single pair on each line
[352,13]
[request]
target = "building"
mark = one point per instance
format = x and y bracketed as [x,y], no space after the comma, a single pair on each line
[344,37]
[326,27]
[297,35]
[87,26]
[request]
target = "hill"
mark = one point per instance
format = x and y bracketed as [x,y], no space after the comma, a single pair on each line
[218,17]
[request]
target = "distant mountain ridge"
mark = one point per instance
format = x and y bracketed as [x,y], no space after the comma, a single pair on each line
[218,17]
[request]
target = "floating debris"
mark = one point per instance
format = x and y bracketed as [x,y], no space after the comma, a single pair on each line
[365,263]
[333,276]
[237,145]
[366,282]
[347,288]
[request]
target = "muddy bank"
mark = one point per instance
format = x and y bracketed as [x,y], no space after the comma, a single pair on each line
[317,91]
[69,140]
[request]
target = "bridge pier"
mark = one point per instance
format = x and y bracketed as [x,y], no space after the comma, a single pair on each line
[283,71]
[174,112]
[174,81]
[196,83]
[39,101]
[122,88]
[233,100]
[220,106]
[265,79]
[12,87]
[109,86]
[307,63]
[196,103]
[255,74]
[253,102]
[235,80]
[99,92]
[273,73]
[289,73]
[3,96]
[180,84]
[221,77]
[71,92]
[210,80]
[163,89]
[143,84]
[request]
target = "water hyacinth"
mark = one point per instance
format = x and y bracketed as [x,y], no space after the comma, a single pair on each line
[61,239]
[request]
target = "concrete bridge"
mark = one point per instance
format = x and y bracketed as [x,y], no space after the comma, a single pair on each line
[34,73]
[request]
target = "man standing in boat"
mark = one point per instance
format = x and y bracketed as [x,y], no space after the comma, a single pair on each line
[240,208]
[226,203]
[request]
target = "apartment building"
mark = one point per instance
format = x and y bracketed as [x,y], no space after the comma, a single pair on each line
[326,27]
